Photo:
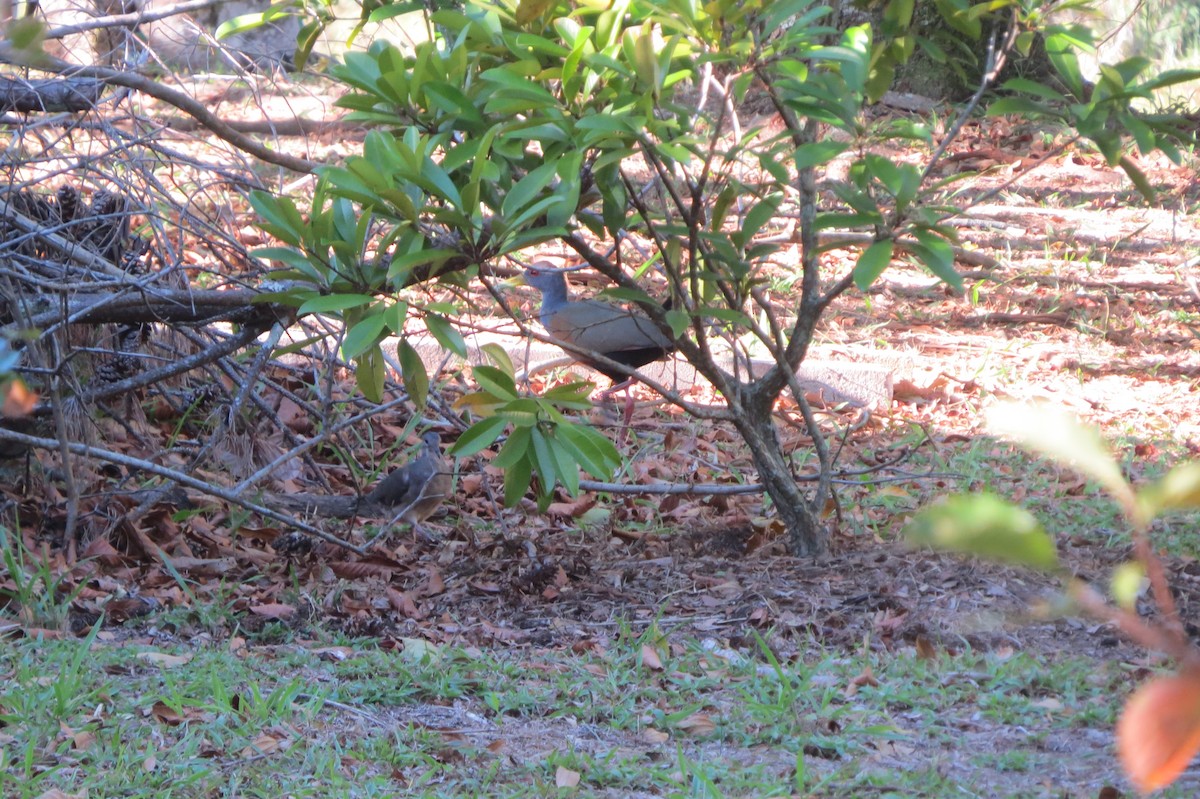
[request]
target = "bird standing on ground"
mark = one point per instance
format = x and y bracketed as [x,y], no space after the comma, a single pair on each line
[417,488]
[617,333]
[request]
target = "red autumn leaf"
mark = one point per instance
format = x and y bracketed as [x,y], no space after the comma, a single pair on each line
[1159,730]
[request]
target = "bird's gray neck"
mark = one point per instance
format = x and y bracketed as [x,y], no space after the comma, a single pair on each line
[554,297]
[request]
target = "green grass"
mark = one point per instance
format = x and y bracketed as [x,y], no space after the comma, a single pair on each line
[282,720]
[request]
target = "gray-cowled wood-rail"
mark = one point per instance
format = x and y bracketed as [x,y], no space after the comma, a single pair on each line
[617,333]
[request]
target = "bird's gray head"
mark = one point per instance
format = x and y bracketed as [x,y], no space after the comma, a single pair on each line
[432,439]
[550,282]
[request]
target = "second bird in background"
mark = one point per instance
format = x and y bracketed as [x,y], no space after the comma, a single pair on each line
[418,488]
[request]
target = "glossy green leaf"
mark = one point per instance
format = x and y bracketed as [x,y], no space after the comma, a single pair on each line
[479,437]
[369,374]
[495,381]
[247,22]
[872,262]
[517,478]
[936,254]
[1138,177]
[521,412]
[282,219]
[362,335]
[515,449]
[499,358]
[818,153]
[446,334]
[26,35]
[412,369]
[984,525]
[544,462]
[566,465]
[331,303]
[595,453]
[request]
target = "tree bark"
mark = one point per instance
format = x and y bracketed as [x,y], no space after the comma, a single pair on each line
[752,417]
[54,95]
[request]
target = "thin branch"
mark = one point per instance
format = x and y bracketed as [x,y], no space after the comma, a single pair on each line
[179,477]
[131,19]
[183,102]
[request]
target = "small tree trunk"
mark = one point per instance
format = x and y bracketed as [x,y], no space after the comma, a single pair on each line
[806,534]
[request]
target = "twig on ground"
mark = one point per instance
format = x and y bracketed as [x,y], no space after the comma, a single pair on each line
[179,477]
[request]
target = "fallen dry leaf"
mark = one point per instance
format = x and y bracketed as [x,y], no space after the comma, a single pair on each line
[265,744]
[566,778]
[164,714]
[273,610]
[698,724]
[163,660]
[866,677]
[653,736]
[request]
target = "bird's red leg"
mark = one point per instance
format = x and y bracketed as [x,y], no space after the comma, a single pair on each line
[615,387]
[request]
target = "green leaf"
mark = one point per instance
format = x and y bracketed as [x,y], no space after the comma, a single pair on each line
[984,525]
[527,189]
[26,35]
[369,374]
[363,335]
[282,218]
[412,368]
[938,257]
[1140,181]
[516,481]
[1179,489]
[645,58]
[479,437]
[760,214]
[571,395]
[1036,89]
[544,461]
[595,453]
[818,153]
[446,334]
[1019,106]
[293,258]
[565,464]
[394,10]
[499,357]
[1057,434]
[334,302]
[1128,580]
[872,262]
[529,10]
[496,382]
[515,449]
[523,412]
[247,22]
